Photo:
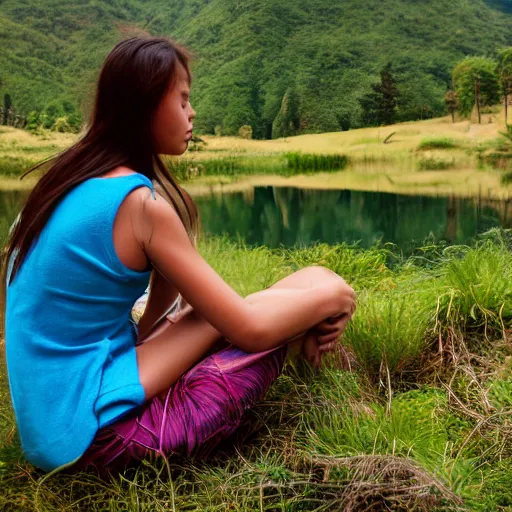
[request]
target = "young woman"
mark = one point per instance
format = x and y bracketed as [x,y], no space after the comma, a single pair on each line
[87,389]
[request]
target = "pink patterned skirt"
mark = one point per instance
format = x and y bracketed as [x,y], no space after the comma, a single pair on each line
[204,407]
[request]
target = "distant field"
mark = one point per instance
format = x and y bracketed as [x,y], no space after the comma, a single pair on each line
[428,157]
[367,141]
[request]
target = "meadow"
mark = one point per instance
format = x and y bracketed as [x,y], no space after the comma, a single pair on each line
[434,157]
[412,413]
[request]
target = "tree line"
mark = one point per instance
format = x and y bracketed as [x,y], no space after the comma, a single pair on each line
[476,82]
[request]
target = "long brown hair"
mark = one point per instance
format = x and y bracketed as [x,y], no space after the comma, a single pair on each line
[133,80]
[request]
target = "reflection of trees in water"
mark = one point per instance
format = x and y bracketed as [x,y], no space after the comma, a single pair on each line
[290,216]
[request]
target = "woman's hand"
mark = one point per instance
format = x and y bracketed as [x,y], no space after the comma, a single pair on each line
[330,330]
[324,338]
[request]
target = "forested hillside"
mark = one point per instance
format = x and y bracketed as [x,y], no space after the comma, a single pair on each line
[263,63]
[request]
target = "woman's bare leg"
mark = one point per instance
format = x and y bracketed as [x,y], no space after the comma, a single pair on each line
[170,349]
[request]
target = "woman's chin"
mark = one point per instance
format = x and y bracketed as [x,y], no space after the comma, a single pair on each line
[176,151]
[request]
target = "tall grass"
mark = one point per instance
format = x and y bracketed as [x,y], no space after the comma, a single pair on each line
[388,334]
[495,152]
[288,164]
[435,164]
[476,290]
[379,437]
[315,162]
[15,166]
[438,143]
[506,178]
[362,268]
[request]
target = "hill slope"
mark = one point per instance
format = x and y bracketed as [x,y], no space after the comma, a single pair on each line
[250,54]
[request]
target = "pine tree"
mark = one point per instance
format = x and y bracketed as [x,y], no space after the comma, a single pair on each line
[7,106]
[380,105]
[286,122]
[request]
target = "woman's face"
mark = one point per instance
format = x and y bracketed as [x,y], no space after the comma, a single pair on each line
[172,122]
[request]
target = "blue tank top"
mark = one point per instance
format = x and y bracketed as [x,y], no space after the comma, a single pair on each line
[70,345]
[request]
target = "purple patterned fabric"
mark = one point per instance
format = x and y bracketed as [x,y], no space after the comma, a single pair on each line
[204,407]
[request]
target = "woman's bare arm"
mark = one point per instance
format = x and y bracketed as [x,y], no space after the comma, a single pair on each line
[251,326]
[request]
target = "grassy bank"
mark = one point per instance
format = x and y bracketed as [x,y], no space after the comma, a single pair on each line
[424,157]
[413,415]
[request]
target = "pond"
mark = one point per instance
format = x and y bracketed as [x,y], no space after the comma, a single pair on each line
[293,216]
[290,216]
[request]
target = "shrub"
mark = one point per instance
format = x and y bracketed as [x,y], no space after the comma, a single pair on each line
[14,166]
[245,132]
[506,178]
[62,125]
[438,143]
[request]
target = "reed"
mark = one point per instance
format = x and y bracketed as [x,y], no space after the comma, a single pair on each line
[315,162]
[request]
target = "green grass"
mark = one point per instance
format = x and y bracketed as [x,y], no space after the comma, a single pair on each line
[389,332]
[406,429]
[476,291]
[14,166]
[496,153]
[314,162]
[438,143]
[288,164]
[435,164]
[506,178]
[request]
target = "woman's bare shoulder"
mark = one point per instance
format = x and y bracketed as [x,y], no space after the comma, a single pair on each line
[118,172]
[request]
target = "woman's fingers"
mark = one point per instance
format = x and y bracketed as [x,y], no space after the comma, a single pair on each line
[325,328]
[328,347]
[327,338]
[332,324]
[334,334]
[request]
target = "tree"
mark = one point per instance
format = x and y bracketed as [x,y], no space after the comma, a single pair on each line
[452,103]
[380,105]
[286,122]
[476,84]
[504,72]
[7,106]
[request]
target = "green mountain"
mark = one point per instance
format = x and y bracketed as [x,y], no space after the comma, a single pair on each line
[319,56]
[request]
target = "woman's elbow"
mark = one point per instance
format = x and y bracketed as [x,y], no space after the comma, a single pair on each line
[252,338]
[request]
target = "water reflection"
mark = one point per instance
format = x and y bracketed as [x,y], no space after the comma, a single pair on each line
[290,216]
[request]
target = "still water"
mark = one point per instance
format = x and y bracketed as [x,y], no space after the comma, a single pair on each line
[289,216]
